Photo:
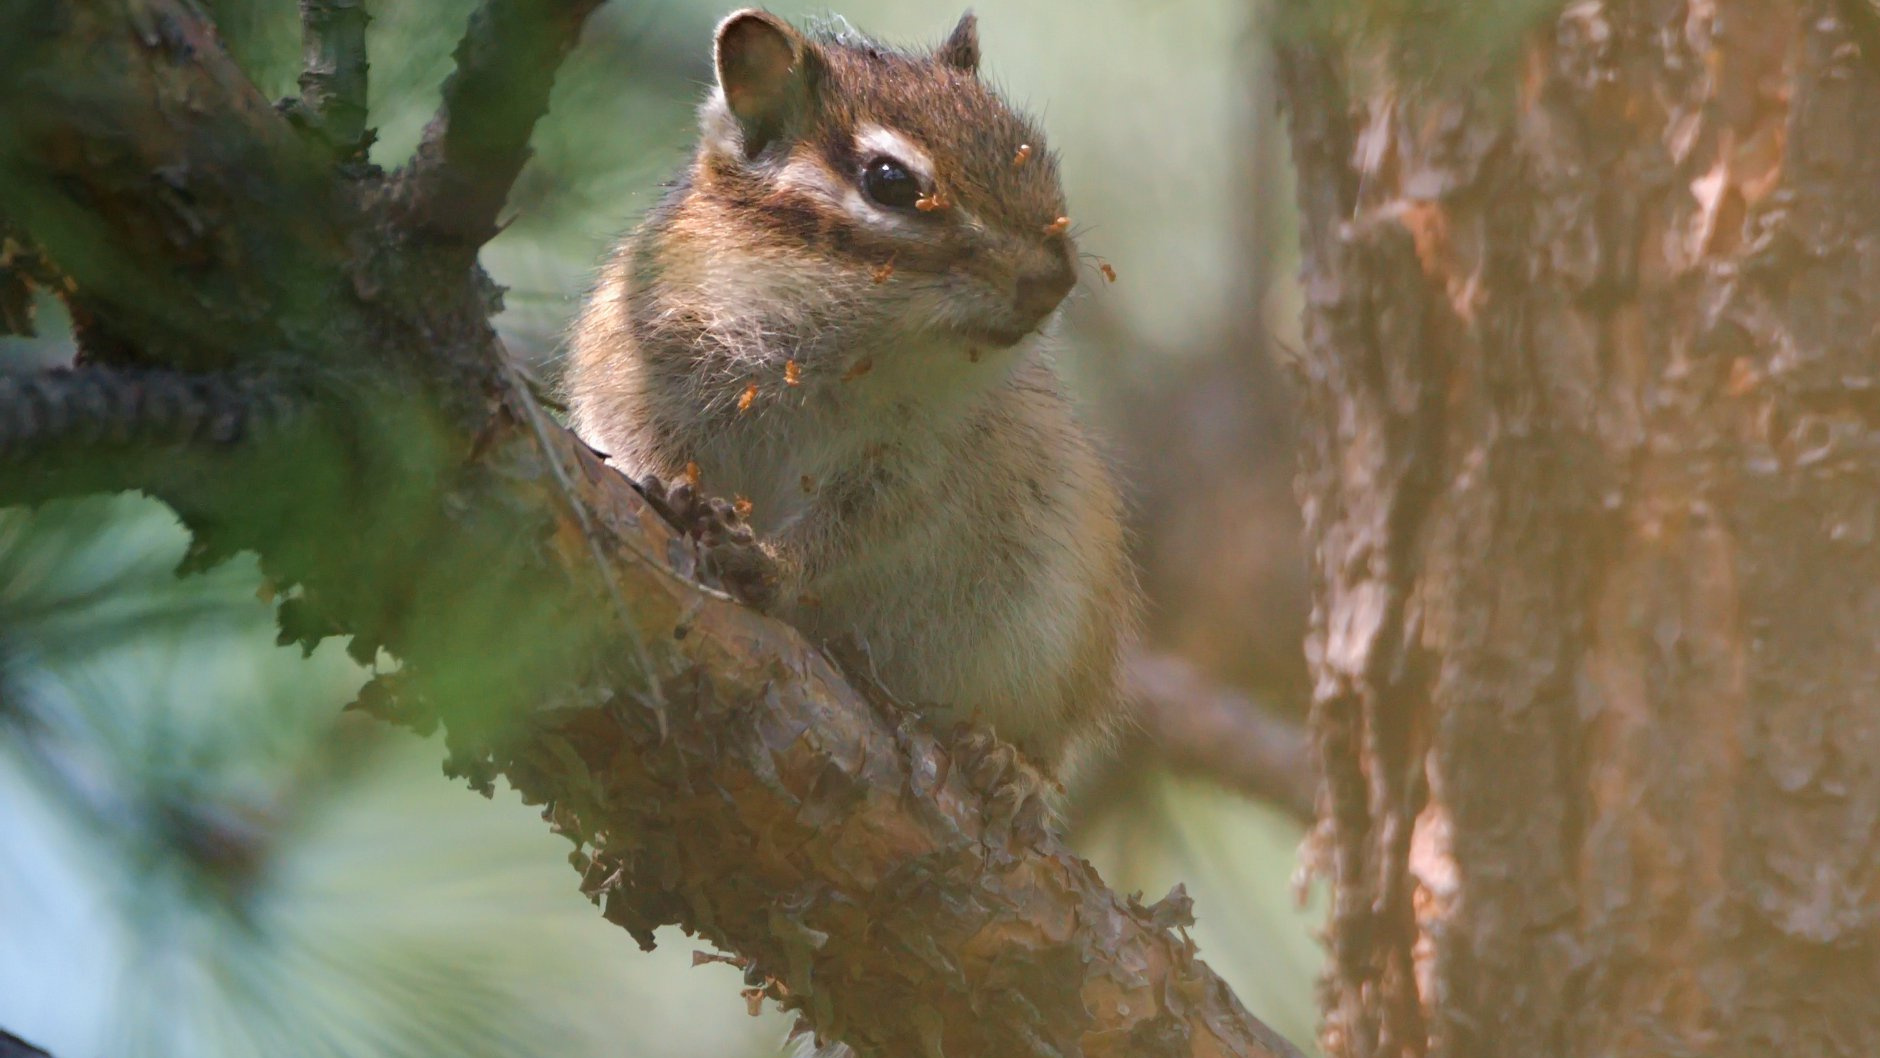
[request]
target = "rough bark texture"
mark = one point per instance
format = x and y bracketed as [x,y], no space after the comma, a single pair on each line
[402,487]
[1592,476]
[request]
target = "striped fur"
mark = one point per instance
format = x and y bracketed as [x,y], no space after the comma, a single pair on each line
[912,462]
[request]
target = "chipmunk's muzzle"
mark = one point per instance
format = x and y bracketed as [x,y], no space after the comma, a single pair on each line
[1040,292]
[1036,293]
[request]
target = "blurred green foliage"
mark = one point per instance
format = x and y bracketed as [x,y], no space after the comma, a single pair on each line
[204,857]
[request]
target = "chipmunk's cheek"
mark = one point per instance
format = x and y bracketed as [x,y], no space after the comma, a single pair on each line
[974,307]
[973,311]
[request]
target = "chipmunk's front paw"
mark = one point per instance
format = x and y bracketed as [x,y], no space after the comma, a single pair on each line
[729,554]
[1021,798]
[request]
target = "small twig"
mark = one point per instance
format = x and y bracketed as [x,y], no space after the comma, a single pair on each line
[1224,735]
[332,102]
[477,143]
[552,455]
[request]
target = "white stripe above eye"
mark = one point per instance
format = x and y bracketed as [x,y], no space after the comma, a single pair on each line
[807,173]
[872,141]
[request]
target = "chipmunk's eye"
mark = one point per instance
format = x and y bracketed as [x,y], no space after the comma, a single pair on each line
[889,183]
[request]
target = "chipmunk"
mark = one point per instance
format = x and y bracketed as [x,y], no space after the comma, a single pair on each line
[832,316]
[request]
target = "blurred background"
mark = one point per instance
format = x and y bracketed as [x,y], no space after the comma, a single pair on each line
[201,855]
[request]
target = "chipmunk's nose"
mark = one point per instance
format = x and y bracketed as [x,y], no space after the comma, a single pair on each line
[1040,290]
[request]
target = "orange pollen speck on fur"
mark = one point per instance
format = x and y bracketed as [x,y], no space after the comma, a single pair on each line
[937,199]
[886,270]
[1058,226]
[1744,378]
[861,367]
[1023,155]
[1108,272]
[750,394]
[742,505]
[692,475]
[791,376]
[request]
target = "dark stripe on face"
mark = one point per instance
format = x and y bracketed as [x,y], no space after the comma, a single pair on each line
[813,222]
[837,147]
[810,221]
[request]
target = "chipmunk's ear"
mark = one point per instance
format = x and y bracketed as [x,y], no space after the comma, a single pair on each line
[764,73]
[961,50]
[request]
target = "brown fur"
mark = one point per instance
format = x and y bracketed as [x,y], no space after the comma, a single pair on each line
[923,485]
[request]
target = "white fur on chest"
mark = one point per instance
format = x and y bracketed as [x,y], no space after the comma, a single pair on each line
[838,419]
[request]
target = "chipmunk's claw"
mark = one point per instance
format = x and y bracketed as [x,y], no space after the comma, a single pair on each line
[730,556]
[1019,796]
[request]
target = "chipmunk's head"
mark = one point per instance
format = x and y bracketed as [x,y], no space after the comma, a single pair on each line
[928,207]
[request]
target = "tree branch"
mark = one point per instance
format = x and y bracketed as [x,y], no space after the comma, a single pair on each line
[715,770]
[1227,736]
[167,200]
[332,101]
[70,412]
[12,1046]
[479,140]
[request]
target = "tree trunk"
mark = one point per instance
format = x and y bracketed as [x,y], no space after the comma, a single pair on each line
[1591,473]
